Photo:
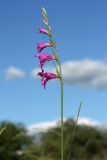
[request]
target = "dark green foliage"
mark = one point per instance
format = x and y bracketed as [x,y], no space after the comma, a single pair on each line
[13,141]
[88,144]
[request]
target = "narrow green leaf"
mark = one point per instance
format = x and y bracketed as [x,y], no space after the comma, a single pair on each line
[75,125]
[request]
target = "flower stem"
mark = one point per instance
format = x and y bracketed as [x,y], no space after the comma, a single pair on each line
[62,122]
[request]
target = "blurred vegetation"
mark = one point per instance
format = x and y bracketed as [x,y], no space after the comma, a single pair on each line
[15,144]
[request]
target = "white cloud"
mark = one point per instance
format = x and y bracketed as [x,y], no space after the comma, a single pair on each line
[45,126]
[42,127]
[86,73]
[87,122]
[12,73]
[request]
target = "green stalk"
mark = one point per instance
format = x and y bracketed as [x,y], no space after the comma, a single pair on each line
[62,121]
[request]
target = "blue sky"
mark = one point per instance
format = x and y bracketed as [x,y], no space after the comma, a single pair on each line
[80,30]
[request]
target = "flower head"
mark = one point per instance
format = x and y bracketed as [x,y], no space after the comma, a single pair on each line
[42,45]
[44,57]
[42,30]
[46,76]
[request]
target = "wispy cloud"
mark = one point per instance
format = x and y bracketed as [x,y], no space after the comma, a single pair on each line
[13,73]
[87,72]
[45,126]
[88,122]
[42,127]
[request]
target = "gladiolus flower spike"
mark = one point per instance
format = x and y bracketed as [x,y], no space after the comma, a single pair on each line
[45,57]
[46,76]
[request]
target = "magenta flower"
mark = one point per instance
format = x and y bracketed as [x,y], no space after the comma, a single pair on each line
[46,76]
[42,45]
[42,30]
[45,57]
